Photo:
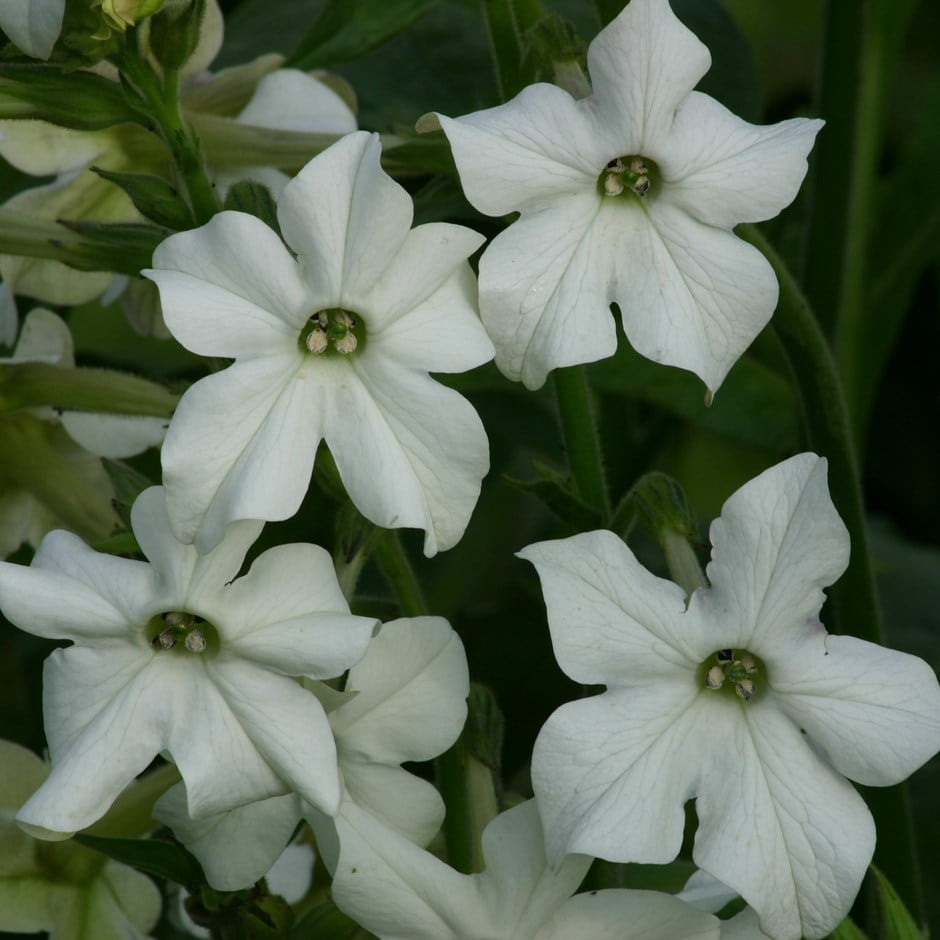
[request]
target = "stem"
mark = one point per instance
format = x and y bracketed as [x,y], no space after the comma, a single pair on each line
[579,428]
[397,569]
[854,597]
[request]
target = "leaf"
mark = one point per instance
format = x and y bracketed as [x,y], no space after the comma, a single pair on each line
[896,920]
[556,491]
[347,30]
[156,857]
[847,930]
[154,197]
[326,922]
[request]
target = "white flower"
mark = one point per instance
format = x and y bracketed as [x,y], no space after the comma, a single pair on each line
[34,25]
[765,754]
[51,472]
[180,656]
[72,892]
[396,890]
[404,701]
[335,344]
[628,196]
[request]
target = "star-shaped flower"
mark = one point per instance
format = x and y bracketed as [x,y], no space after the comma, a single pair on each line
[183,657]
[404,701]
[628,196]
[395,889]
[743,701]
[334,344]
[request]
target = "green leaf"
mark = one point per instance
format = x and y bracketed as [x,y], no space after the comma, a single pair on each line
[847,930]
[557,492]
[326,922]
[896,920]
[154,197]
[156,857]
[79,100]
[347,30]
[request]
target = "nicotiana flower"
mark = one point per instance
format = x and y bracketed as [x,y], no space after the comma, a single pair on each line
[397,890]
[72,892]
[50,472]
[628,196]
[180,656]
[404,701]
[742,701]
[334,344]
[258,95]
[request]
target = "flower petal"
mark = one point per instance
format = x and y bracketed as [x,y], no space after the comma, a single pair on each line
[289,613]
[412,687]
[345,218]
[874,711]
[538,147]
[546,284]
[723,170]
[231,288]
[288,727]
[410,451]
[241,446]
[291,100]
[611,620]
[778,825]
[777,543]
[642,66]
[691,295]
[612,773]
[34,25]
[602,915]
[235,848]
[110,435]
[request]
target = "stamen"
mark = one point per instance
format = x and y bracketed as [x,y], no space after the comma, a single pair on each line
[195,642]
[744,689]
[715,677]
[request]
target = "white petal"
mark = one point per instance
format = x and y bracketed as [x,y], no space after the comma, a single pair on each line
[291,100]
[231,288]
[45,337]
[546,284]
[397,890]
[519,889]
[109,435]
[241,446]
[106,718]
[42,149]
[407,803]
[289,613]
[287,725]
[603,915]
[612,773]
[706,892]
[235,848]
[777,543]
[72,592]
[33,25]
[410,451]
[611,620]
[874,711]
[443,333]
[691,295]
[642,66]
[412,688]
[723,170]
[345,218]
[777,824]
[540,146]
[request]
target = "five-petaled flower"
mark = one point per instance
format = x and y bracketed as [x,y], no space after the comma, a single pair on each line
[180,656]
[627,196]
[741,700]
[333,344]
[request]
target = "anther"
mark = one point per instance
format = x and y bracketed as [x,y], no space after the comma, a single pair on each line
[744,689]
[714,678]
[317,341]
[195,641]
[165,640]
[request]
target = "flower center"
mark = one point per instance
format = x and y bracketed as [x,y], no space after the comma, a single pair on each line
[630,175]
[182,632]
[733,672]
[333,332]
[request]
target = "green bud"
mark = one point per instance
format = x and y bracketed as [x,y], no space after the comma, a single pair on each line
[154,197]
[556,53]
[119,14]
[255,199]
[174,33]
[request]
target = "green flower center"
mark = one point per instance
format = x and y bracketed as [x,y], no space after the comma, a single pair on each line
[333,332]
[735,673]
[626,177]
[181,632]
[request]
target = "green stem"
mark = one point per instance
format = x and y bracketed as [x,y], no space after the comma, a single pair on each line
[466,785]
[579,427]
[396,567]
[854,597]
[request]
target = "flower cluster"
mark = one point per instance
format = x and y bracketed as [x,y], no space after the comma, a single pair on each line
[244,673]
